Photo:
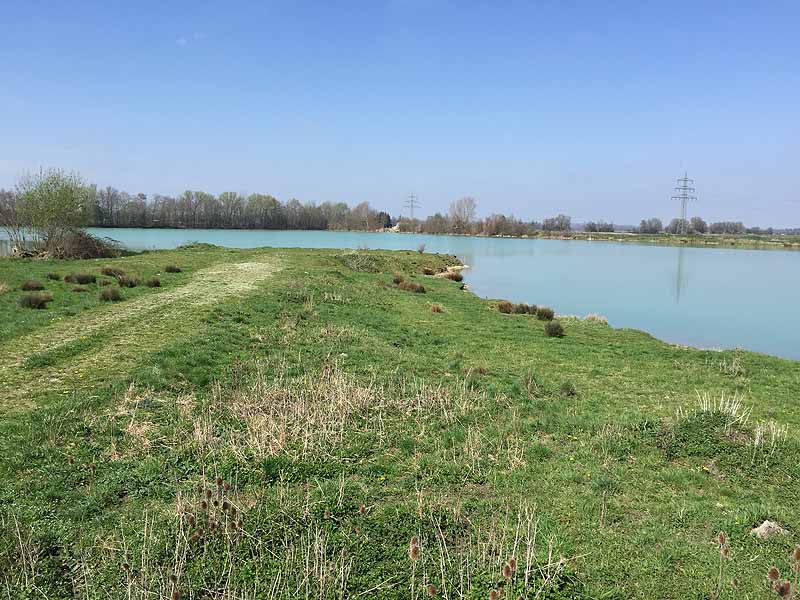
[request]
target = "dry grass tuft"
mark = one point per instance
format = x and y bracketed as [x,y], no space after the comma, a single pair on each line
[110,294]
[153,282]
[505,307]
[593,318]
[35,300]
[128,281]
[80,278]
[112,271]
[544,313]
[172,269]
[3,287]
[411,286]
[454,276]
[31,285]
[437,308]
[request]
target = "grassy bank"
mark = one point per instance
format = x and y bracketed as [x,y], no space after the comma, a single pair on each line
[301,423]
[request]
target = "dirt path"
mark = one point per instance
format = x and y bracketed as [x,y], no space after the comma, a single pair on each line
[115,335]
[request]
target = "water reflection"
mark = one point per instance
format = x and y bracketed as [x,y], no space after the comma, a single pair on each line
[679,277]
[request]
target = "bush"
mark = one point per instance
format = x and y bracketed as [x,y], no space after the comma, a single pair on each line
[504,306]
[54,276]
[128,281]
[543,313]
[428,271]
[521,309]
[532,308]
[172,269]
[35,300]
[397,279]
[553,329]
[454,276]
[153,282]
[112,271]
[79,244]
[80,288]
[80,278]
[410,286]
[31,285]
[568,389]
[437,308]
[110,294]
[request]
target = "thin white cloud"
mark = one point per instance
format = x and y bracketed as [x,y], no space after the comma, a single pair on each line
[185,40]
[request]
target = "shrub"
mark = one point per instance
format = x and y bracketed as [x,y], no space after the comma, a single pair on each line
[80,288]
[80,278]
[454,276]
[112,271]
[128,281]
[521,309]
[397,279]
[532,308]
[31,285]
[553,329]
[35,300]
[568,389]
[543,313]
[153,282]
[172,269]
[110,294]
[410,286]
[428,271]
[54,276]
[437,308]
[80,244]
[504,306]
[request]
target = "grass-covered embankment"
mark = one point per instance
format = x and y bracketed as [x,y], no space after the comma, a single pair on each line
[287,423]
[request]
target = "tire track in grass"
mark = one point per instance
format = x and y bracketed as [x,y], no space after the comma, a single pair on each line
[120,333]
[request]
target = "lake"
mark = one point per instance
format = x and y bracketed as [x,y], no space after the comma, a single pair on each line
[703,297]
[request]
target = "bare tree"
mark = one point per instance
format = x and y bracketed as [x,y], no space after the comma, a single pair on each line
[462,213]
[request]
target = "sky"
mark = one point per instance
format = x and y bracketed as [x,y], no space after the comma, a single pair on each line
[591,109]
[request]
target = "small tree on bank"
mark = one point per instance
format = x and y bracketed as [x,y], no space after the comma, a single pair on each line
[49,205]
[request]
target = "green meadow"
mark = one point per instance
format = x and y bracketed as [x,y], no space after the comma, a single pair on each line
[279,423]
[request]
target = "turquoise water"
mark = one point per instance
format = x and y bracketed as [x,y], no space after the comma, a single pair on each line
[709,298]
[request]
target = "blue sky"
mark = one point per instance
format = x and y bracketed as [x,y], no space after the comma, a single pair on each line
[533,108]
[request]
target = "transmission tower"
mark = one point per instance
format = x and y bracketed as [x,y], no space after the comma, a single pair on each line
[411,204]
[685,193]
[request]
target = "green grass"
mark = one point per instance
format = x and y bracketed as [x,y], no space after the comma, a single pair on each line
[346,417]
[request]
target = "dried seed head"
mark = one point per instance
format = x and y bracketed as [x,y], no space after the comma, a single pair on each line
[226,505]
[796,553]
[722,538]
[414,541]
[327,514]
[361,509]
[734,583]
[784,589]
[173,578]
[215,502]
[512,562]
[208,493]
[204,504]
[431,589]
[413,552]
[725,552]
[506,571]
[493,595]
[239,523]
[219,482]
[773,574]
[226,486]
[71,460]
[233,511]
[192,521]
[176,595]
[126,567]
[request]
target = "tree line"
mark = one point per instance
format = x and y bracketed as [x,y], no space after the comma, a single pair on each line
[46,204]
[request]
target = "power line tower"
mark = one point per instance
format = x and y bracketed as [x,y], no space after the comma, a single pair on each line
[411,204]
[685,193]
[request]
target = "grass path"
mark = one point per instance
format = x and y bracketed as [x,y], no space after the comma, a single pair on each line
[61,356]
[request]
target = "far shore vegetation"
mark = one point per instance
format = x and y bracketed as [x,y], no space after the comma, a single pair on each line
[45,207]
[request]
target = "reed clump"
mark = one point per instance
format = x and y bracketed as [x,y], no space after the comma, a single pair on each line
[454,276]
[545,313]
[110,271]
[54,276]
[172,269]
[411,286]
[128,281]
[153,282]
